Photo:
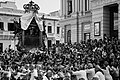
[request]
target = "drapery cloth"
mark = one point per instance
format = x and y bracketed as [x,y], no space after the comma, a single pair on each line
[27,18]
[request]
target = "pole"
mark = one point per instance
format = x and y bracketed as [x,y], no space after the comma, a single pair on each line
[77,23]
[14,43]
[23,37]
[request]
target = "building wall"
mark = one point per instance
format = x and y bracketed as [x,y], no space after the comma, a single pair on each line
[100,13]
[8,4]
[74,33]
[55,13]
[97,11]
[6,37]
[53,36]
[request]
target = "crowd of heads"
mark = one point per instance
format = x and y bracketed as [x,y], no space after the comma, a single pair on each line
[67,56]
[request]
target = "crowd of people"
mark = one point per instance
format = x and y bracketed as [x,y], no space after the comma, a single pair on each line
[87,60]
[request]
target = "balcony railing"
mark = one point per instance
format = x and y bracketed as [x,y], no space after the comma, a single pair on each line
[6,33]
[6,37]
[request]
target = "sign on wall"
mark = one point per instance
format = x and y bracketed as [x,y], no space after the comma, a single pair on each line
[87,27]
[97,29]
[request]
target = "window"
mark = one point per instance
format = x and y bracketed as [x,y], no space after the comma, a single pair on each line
[86,5]
[58,30]
[11,27]
[57,41]
[1,47]
[49,43]
[1,26]
[69,6]
[49,29]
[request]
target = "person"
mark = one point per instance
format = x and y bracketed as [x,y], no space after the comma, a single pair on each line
[107,72]
[90,71]
[45,78]
[60,73]
[99,75]
[34,73]
[80,74]
[49,74]
[9,48]
[9,73]
[95,77]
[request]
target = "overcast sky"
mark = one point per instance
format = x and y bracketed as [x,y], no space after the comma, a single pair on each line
[46,6]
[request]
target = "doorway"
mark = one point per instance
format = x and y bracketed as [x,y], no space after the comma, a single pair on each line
[86,36]
[69,36]
[113,21]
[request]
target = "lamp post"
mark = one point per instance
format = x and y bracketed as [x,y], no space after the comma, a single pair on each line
[77,22]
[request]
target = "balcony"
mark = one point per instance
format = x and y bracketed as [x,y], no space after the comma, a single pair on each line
[6,35]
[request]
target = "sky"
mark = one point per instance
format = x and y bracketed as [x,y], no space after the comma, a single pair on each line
[46,6]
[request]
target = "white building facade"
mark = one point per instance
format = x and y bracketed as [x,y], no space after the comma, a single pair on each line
[53,30]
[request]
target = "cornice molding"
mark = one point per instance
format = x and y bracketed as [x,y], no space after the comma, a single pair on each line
[102,2]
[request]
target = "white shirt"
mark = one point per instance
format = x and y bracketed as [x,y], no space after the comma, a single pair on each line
[34,74]
[18,75]
[9,74]
[45,78]
[107,74]
[61,74]
[80,74]
[91,73]
[100,75]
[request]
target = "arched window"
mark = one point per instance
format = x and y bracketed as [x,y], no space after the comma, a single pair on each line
[69,36]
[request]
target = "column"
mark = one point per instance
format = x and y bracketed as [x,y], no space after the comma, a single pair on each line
[61,6]
[73,5]
[5,24]
[64,6]
[74,33]
[65,33]
[83,5]
[81,8]
[119,20]
[76,5]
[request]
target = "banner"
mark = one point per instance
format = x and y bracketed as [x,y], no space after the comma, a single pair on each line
[27,18]
[39,22]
